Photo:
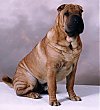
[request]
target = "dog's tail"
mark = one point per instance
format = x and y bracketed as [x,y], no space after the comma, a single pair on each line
[8,81]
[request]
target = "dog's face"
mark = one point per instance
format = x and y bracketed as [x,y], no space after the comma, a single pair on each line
[71,18]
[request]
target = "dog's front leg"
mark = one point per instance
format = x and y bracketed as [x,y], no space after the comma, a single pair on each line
[51,81]
[70,85]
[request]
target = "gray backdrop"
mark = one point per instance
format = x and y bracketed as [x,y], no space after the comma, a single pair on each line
[23,23]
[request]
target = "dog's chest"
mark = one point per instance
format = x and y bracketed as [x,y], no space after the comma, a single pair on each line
[63,72]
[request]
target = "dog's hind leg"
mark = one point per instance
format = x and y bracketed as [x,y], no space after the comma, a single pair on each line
[24,84]
[27,91]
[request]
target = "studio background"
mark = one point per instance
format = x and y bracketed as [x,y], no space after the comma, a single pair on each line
[23,23]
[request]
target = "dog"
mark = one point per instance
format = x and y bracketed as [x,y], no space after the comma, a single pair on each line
[54,58]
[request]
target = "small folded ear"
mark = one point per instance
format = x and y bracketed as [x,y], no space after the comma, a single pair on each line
[61,7]
[80,7]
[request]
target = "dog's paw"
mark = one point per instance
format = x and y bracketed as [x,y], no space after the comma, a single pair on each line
[75,98]
[55,103]
[34,95]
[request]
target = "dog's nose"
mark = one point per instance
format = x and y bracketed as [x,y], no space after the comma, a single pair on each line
[76,19]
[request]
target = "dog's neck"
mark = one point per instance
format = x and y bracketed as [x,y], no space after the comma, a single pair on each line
[57,35]
[57,39]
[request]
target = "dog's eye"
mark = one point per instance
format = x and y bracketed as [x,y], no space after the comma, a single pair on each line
[80,13]
[67,13]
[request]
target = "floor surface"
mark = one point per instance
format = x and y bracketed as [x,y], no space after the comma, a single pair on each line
[90,99]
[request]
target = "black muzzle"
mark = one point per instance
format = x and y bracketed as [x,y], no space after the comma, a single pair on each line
[75,26]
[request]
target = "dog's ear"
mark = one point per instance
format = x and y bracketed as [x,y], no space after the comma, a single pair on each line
[80,7]
[61,7]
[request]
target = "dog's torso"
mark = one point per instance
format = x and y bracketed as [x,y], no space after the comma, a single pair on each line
[47,51]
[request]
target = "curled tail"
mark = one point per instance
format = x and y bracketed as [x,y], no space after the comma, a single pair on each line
[8,81]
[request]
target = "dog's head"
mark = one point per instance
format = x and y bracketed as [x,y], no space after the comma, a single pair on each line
[70,19]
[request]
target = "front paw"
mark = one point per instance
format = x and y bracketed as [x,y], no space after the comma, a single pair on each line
[75,98]
[54,103]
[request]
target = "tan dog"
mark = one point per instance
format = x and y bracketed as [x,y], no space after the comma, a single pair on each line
[52,59]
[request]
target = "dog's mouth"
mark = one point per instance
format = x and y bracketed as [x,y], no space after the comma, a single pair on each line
[72,34]
[70,39]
